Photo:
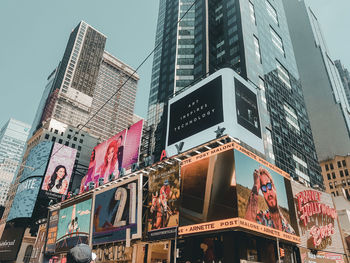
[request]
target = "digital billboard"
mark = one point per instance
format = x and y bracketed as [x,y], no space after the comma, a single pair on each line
[163,200]
[221,104]
[229,187]
[59,170]
[110,157]
[118,212]
[37,160]
[25,198]
[10,242]
[51,232]
[73,225]
[317,220]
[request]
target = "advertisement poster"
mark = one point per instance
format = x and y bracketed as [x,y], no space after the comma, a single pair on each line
[59,170]
[110,157]
[73,225]
[118,213]
[247,108]
[52,232]
[163,197]
[25,198]
[10,242]
[230,186]
[196,112]
[317,223]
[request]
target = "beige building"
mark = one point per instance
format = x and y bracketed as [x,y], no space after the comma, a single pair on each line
[336,175]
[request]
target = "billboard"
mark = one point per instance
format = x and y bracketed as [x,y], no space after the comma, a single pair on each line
[73,225]
[317,220]
[163,201]
[118,212]
[11,241]
[230,186]
[25,198]
[51,232]
[37,159]
[110,157]
[59,170]
[223,103]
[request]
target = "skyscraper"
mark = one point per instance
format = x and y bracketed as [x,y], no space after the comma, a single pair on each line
[252,38]
[324,93]
[13,136]
[84,80]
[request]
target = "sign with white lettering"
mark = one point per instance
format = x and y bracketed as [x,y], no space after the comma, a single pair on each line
[10,242]
[223,103]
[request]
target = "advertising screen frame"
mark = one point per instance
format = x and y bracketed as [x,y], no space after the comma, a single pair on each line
[138,210]
[52,226]
[230,124]
[234,221]
[12,236]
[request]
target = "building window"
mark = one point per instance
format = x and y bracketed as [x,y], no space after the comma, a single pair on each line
[333,175]
[291,117]
[339,164]
[341,173]
[331,166]
[257,48]
[333,193]
[75,139]
[344,163]
[73,145]
[330,185]
[66,143]
[343,182]
[81,140]
[27,254]
[56,131]
[69,136]
[60,141]
[283,75]
[335,184]
[327,168]
[329,176]
[53,138]
[272,12]
[47,136]
[78,155]
[79,148]
[346,172]
[277,40]
[252,12]
[348,182]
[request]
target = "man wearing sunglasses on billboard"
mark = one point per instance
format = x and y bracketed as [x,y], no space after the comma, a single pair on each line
[272,217]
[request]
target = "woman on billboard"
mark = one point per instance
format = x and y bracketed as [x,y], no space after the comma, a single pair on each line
[57,182]
[110,164]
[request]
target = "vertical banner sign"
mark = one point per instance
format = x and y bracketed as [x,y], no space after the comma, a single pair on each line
[52,232]
[73,225]
[118,209]
[10,242]
[163,196]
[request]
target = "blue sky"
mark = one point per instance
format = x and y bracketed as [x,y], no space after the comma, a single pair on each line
[34,35]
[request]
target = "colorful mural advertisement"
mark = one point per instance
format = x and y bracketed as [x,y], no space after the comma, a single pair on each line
[230,186]
[118,212]
[73,225]
[163,196]
[318,225]
[110,157]
[52,232]
[59,170]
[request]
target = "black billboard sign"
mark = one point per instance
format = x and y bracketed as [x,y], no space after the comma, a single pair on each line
[10,242]
[247,108]
[196,112]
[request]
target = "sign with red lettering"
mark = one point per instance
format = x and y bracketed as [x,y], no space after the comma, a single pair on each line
[317,219]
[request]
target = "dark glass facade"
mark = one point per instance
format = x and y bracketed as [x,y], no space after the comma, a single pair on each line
[252,38]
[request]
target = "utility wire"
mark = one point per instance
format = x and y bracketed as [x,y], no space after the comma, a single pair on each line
[115,93]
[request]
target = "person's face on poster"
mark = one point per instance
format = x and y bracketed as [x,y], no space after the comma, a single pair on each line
[61,173]
[110,155]
[268,191]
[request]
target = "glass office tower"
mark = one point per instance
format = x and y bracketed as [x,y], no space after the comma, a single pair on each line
[252,38]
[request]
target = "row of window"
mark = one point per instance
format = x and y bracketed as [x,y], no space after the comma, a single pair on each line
[341,172]
[339,163]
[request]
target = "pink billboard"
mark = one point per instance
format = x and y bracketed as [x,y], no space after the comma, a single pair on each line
[110,157]
[59,170]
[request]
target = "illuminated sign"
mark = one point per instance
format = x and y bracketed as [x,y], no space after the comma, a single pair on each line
[229,186]
[223,103]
